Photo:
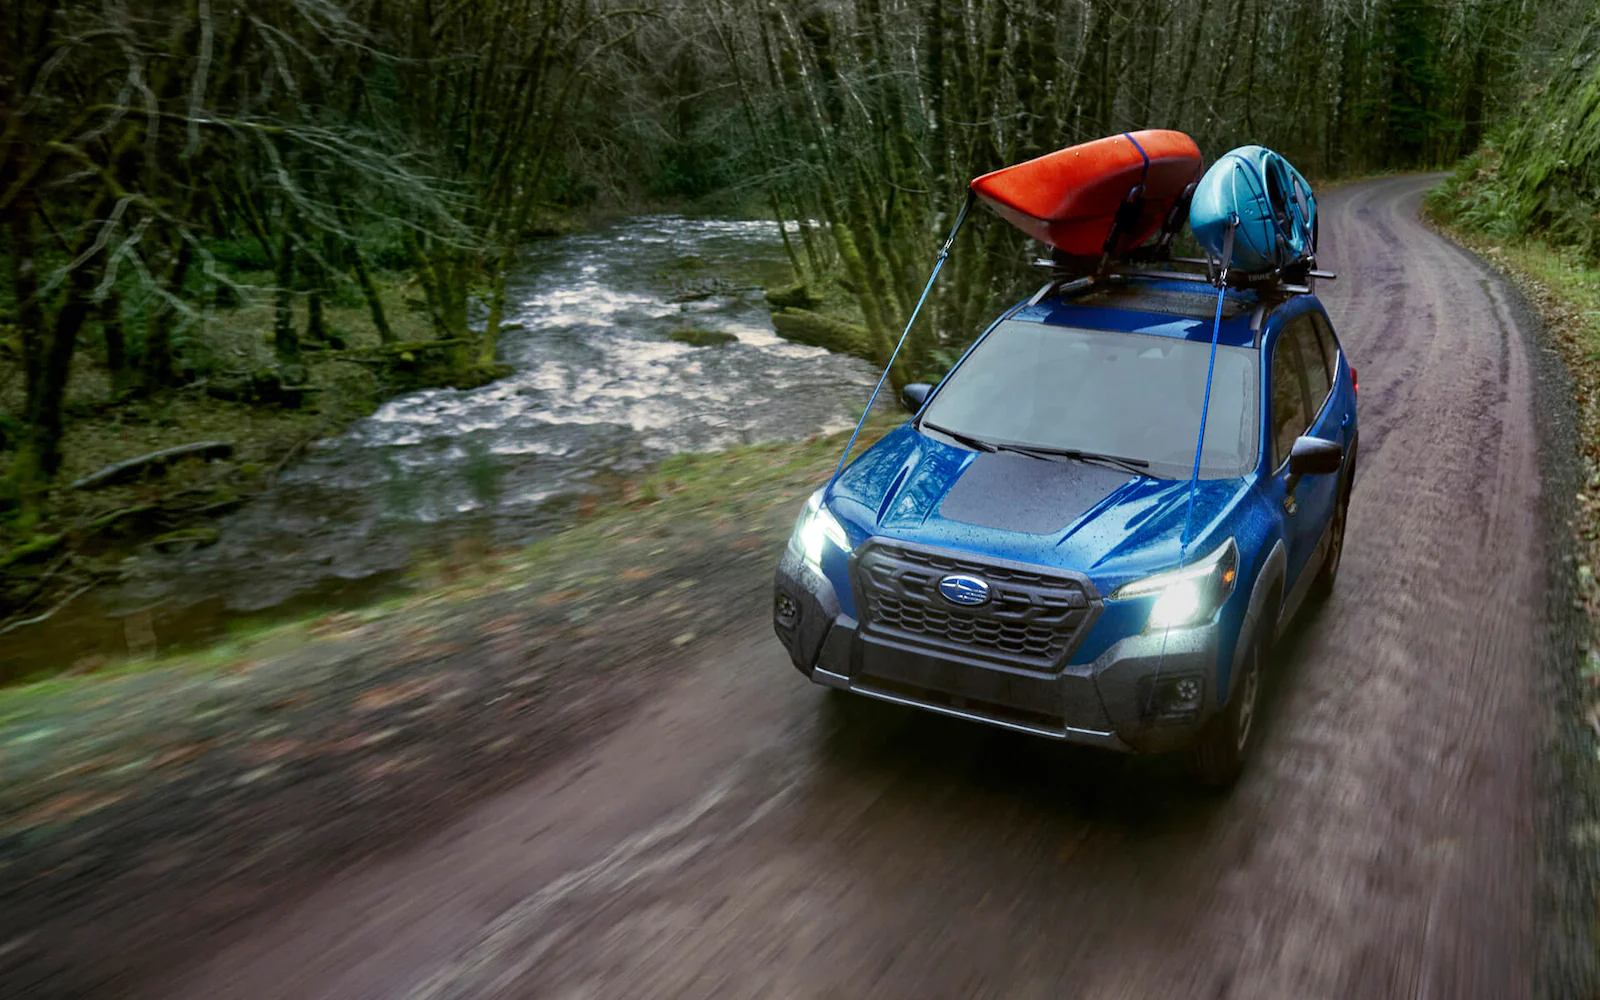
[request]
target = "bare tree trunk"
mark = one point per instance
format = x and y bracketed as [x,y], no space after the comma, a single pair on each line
[369,291]
[38,455]
[316,325]
[285,340]
[158,328]
[25,291]
[111,330]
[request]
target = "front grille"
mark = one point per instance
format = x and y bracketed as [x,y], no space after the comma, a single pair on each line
[1033,618]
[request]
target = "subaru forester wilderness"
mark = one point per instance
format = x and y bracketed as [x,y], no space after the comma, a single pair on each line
[1011,555]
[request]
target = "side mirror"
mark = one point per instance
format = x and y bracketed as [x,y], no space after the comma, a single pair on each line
[1313,456]
[914,395]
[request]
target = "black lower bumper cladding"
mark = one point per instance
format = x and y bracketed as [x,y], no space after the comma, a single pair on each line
[1106,703]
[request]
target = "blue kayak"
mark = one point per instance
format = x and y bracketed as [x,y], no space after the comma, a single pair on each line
[1275,210]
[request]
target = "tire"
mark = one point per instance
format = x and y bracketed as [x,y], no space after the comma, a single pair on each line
[1322,586]
[1219,757]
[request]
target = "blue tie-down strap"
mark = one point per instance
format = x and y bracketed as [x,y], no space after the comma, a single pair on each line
[944,252]
[1200,442]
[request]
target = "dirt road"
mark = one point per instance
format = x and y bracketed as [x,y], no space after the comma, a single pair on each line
[748,836]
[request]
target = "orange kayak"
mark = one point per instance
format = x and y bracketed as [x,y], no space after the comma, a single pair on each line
[1070,198]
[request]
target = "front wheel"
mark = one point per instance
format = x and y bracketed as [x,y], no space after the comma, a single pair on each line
[1322,586]
[1219,758]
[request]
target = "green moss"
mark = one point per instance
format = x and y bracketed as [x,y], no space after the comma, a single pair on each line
[805,327]
[1540,174]
[797,296]
[32,550]
[185,539]
[106,521]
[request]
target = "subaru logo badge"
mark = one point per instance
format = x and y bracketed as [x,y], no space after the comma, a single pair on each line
[966,590]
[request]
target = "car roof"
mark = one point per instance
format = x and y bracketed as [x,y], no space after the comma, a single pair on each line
[1159,307]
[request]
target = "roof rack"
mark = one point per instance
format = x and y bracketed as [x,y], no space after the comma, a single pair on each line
[1297,279]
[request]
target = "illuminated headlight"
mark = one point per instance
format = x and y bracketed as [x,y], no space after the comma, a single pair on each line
[1190,595]
[815,527]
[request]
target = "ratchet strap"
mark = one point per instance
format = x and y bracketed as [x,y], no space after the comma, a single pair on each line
[938,264]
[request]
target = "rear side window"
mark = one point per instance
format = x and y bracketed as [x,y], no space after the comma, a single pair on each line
[1289,415]
[1315,368]
[1330,345]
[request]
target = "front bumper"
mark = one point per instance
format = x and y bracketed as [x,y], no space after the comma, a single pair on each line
[1115,702]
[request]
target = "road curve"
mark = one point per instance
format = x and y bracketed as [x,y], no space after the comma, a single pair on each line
[748,836]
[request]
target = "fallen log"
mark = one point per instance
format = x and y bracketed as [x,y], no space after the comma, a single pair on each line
[121,472]
[797,296]
[806,327]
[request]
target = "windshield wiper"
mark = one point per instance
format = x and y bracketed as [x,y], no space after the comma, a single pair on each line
[1133,465]
[966,439]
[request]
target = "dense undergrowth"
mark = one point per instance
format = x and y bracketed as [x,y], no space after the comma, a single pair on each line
[228,386]
[1538,176]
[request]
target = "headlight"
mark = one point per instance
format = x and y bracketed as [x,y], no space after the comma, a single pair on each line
[815,526]
[1189,595]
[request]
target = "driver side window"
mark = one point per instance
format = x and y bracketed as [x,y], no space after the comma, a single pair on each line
[1290,417]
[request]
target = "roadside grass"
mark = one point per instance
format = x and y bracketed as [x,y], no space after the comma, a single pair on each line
[745,493]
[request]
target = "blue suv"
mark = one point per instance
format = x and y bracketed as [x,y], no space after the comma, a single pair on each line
[1012,555]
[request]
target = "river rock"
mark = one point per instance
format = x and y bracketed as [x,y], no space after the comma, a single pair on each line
[701,338]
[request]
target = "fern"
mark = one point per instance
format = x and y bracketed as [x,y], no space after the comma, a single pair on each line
[1541,174]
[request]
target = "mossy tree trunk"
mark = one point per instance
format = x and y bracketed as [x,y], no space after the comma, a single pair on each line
[489,341]
[38,454]
[369,291]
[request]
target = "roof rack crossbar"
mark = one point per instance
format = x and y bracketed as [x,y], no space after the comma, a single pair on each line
[1064,281]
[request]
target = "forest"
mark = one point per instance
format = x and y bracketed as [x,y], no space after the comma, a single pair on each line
[290,209]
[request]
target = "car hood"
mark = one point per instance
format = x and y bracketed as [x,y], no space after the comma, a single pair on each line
[1106,523]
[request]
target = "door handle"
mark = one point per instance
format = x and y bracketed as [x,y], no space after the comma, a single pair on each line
[1345,422]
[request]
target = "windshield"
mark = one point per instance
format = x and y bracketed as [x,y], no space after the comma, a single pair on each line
[1131,395]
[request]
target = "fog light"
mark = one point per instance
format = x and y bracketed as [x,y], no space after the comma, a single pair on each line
[785,610]
[1172,699]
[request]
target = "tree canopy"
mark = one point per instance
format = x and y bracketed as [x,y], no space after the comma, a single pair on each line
[152,150]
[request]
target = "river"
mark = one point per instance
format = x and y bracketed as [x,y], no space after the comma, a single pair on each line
[598,391]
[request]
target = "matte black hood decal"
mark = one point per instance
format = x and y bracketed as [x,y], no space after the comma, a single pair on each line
[1013,492]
